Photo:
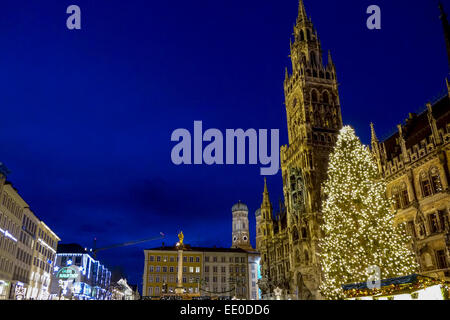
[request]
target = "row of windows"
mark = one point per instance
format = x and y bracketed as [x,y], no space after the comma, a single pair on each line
[231,269]
[430,183]
[223,259]
[437,222]
[76,260]
[46,252]
[7,244]
[29,225]
[172,259]
[159,269]
[21,274]
[41,264]
[6,265]
[23,256]
[7,224]
[25,239]
[49,240]
[196,259]
[12,206]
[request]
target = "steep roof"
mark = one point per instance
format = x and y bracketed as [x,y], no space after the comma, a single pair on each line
[417,128]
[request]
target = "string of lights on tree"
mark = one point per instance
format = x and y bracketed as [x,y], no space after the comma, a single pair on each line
[358,226]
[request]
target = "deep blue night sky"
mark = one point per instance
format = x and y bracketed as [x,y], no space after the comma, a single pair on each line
[87,115]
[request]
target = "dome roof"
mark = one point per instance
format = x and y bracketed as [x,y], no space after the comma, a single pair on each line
[258,212]
[239,207]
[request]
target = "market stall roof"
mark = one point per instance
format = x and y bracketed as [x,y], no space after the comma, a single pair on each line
[384,283]
[394,286]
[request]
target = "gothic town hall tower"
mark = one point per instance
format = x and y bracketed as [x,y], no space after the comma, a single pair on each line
[313,121]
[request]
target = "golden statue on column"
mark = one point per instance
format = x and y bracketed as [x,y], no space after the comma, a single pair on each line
[181,237]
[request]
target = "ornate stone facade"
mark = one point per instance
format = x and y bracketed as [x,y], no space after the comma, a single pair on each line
[289,245]
[415,162]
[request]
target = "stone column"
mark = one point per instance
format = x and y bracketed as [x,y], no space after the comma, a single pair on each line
[179,288]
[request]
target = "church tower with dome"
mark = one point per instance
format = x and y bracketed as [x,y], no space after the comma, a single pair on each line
[240,234]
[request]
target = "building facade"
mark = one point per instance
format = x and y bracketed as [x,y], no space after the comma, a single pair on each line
[415,161]
[24,254]
[207,272]
[78,276]
[289,243]
[45,245]
[14,270]
[27,247]
[161,269]
[211,272]
[121,290]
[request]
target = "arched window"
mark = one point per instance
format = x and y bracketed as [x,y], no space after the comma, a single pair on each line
[425,184]
[295,236]
[435,180]
[404,197]
[304,233]
[308,34]
[306,257]
[302,36]
[396,198]
[325,97]
[314,97]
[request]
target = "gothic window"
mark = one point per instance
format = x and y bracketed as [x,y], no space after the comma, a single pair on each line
[327,75]
[325,97]
[396,198]
[441,259]
[308,34]
[297,256]
[302,36]
[304,233]
[314,73]
[433,220]
[435,180]
[295,236]
[404,197]
[411,229]
[321,74]
[443,218]
[308,72]
[306,257]
[425,184]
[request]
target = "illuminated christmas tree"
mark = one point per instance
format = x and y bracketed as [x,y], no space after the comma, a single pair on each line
[358,226]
